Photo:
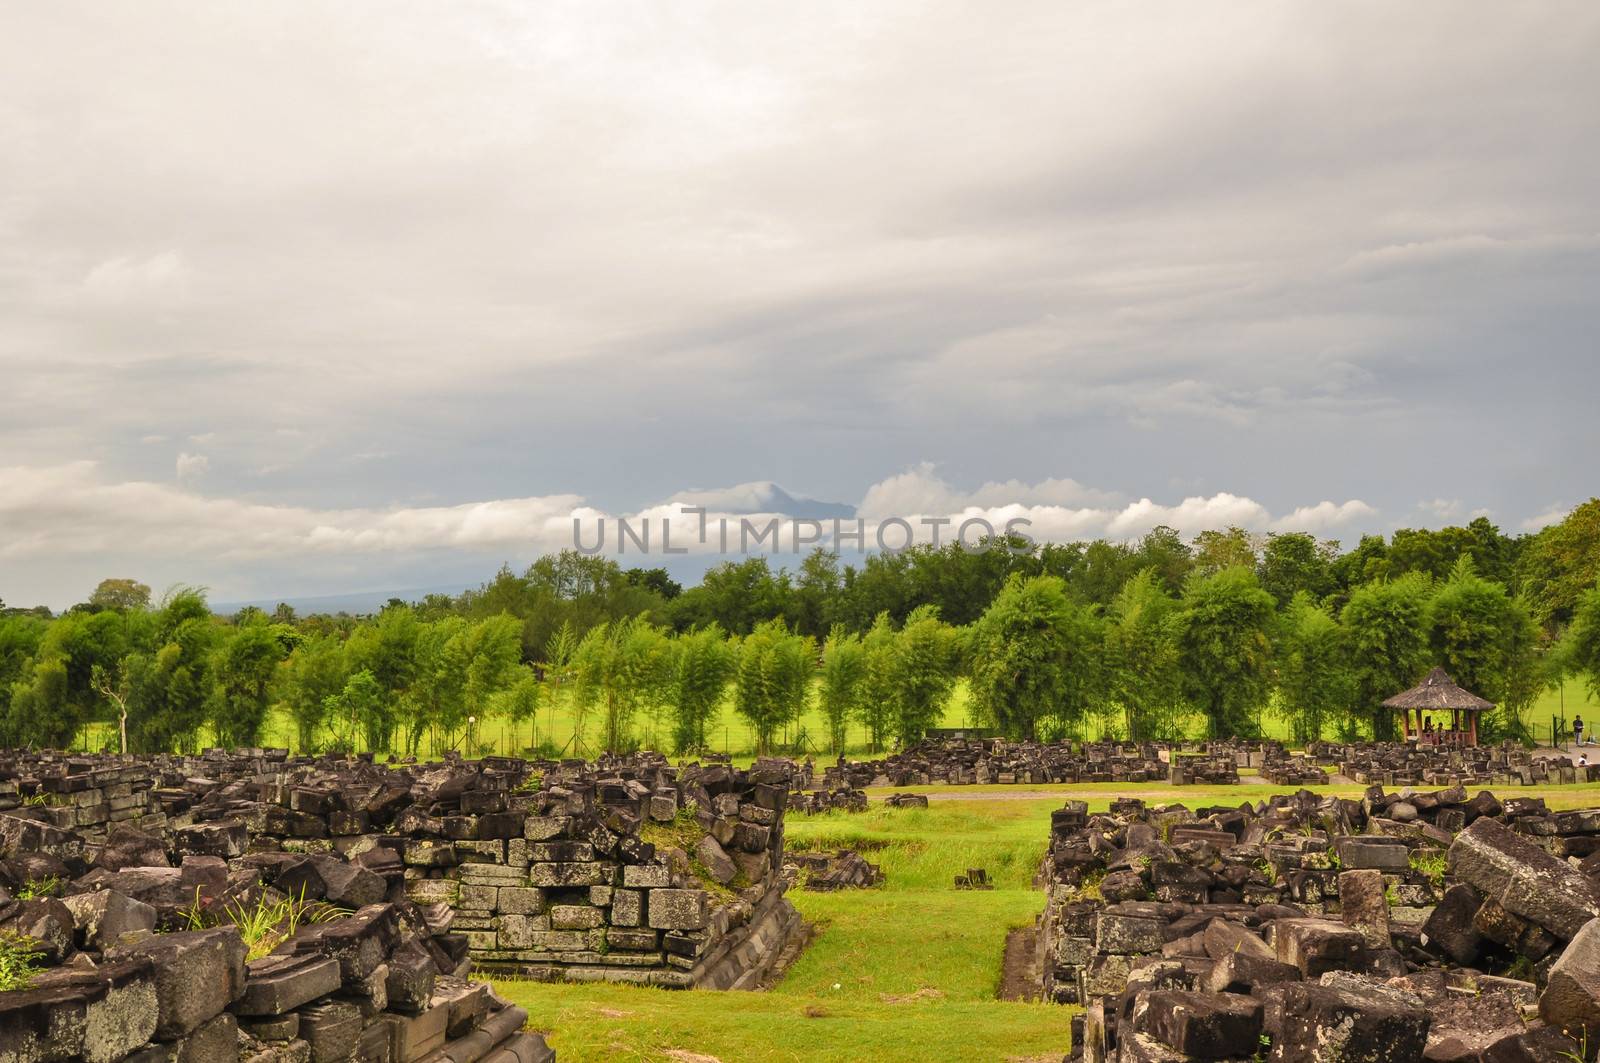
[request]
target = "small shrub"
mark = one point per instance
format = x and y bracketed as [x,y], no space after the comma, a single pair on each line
[1431,864]
[32,890]
[19,956]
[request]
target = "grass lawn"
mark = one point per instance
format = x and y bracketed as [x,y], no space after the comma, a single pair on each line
[907,972]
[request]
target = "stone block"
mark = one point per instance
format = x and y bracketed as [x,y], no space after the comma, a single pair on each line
[643,876]
[198,973]
[575,917]
[1201,1025]
[1326,1022]
[1117,933]
[671,909]
[627,906]
[1363,905]
[1449,929]
[1571,998]
[1317,946]
[1525,879]
[276,984]
[104,916]
[521,900]
[97,1015]
[560,875]
[1368,852]
[332,1029]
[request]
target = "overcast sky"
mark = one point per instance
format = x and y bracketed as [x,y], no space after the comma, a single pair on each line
[302,298]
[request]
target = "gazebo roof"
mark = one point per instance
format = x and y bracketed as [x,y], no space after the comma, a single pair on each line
[1438,691]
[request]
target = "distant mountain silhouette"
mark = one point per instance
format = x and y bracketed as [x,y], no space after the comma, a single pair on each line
[764,496]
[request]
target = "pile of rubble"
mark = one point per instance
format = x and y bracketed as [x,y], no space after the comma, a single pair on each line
[1213,769]
[382,983]
[906,800]
[1398,927]
[633,871]
[838,799]
[967,762]
[826,872]
[1282,768]
[1421,764]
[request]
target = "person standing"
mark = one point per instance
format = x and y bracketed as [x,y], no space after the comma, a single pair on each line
[1577,729]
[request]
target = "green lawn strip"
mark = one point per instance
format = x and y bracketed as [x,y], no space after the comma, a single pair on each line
[915,938]
[607,1024]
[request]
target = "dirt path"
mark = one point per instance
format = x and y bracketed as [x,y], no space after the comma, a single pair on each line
[1018,979]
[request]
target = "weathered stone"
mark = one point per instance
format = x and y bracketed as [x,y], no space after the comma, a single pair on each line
[1320,1022]
[715,860]
[1117,933]
[1364,906]
[671,909]
[1383,854]
[102,917]
[96,1015]
[332,1029]
[1317,946]
[1449,930]
[276,984]
[1571,998]
[1201,1025]
[1525,879]
[198,973]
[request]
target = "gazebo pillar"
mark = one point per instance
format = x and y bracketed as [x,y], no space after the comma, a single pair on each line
[1472,721]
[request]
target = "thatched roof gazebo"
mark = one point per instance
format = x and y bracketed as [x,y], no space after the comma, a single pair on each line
[1439,693]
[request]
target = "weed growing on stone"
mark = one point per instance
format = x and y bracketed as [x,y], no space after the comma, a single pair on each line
[19,956]
[1431,863]
[33,889]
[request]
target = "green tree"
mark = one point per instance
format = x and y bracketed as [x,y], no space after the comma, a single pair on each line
[1560,564]
[1386,623]
[1316,685]
[361,709]
[1222,636]
[1581,645]
[844,664]
[620,667]
[1141,660]
[243,670]
[927,663]
[773,679]
[315,672]
[1295,562]
[120,594]
[705,666]
[1034,658]
[1487,641]
[875,704]
[170,684]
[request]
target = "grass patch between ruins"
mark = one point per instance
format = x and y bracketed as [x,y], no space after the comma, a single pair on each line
[907,972]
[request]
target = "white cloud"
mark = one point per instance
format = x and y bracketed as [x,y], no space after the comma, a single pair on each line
[192,466]
[1324,516]
[1553,515]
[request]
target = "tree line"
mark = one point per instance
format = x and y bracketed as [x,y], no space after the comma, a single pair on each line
[1145,639]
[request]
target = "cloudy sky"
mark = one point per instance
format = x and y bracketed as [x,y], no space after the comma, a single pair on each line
[305,298]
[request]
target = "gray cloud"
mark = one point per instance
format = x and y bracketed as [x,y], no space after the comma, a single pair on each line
[385,257]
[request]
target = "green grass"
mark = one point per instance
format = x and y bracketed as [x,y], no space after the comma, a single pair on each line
[916,937]
[892,972]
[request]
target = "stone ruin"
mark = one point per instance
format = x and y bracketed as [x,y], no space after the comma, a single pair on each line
[967,762]
[1413,764]
[816,802]
[632,872]
[1409,926]
[826,872]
